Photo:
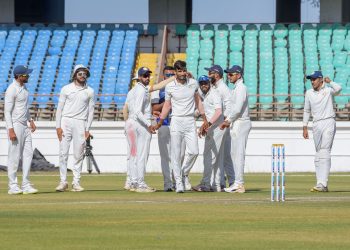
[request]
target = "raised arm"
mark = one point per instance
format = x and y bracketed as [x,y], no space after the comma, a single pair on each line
[162,84]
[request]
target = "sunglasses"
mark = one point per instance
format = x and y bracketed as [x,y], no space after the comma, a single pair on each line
[203,83]
[232,74]
[169,75]
[24,75]
[82,74]
[146,75]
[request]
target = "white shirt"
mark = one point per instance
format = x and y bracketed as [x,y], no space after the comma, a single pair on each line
[140,104]
[76,102]
[212,102]
[182,97]
[16,105]
[239,103]
[225,95]
[320,103]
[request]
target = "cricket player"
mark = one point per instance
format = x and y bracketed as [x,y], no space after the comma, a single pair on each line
[129,129]
[216,73]
[158,98]
[139,130]
[213,138]
[17,117]
[319,103]
[181,95]
[74,116]
[240,123]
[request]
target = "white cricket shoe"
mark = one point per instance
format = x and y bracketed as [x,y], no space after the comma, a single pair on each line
[319,188]
[235,188]
[179,188]
[145,189]
[187,183]
[30,190]
[127,186]
[15,190]
[77,188]
[63,186]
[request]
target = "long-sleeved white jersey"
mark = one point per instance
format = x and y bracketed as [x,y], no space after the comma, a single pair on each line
[212,102]
[76,102]
[224,93]
[320,103]
[16,105]
[239,103]
[139,104]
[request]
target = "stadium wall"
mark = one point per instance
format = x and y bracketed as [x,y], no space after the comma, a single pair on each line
[109,147]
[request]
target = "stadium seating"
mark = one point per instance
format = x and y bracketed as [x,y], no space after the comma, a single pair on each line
[275,58]
[52,51]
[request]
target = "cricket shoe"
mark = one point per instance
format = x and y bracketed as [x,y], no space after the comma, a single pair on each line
[133,187]
[187,183]
[168,189]
[319,188]
[30,190]
[179,188]
[63,186]
[127,186]
[145,189]
[15,190]
[77,188]
[201,188]
[235,188]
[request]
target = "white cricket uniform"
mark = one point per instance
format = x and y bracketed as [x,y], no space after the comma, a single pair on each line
[183,126]
[140,113]
[74,115]
[16,116]
[164,144]
[226,163]
[130,133]
[240,128]
[213,141]
[320,105]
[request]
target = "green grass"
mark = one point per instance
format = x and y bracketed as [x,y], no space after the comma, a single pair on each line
[107,217]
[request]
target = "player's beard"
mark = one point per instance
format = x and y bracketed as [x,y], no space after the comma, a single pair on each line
[82,83]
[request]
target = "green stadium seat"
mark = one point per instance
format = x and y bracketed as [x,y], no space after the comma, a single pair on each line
[209,27]
[223,27]
[180,30]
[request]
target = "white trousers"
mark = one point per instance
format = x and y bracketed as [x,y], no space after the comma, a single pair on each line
[73,129]
[239,137]
[183,129]
[130,133]
[139,151]
[164,144]
[211,155]
[323,134]
[21,149]
[226,164]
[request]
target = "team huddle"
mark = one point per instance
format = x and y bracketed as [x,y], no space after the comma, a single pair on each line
[226,125]
[170,108]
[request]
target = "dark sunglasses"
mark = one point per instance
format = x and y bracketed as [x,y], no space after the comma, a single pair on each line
[232,74]
[203,83]
[169,75]
[146,75]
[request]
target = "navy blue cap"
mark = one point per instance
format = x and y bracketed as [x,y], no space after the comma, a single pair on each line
[203,78]
[314,75]
[21,70]
[216,68]
[234,69]
[143,70]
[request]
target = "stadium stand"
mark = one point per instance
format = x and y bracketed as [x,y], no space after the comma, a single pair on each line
[275,59]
